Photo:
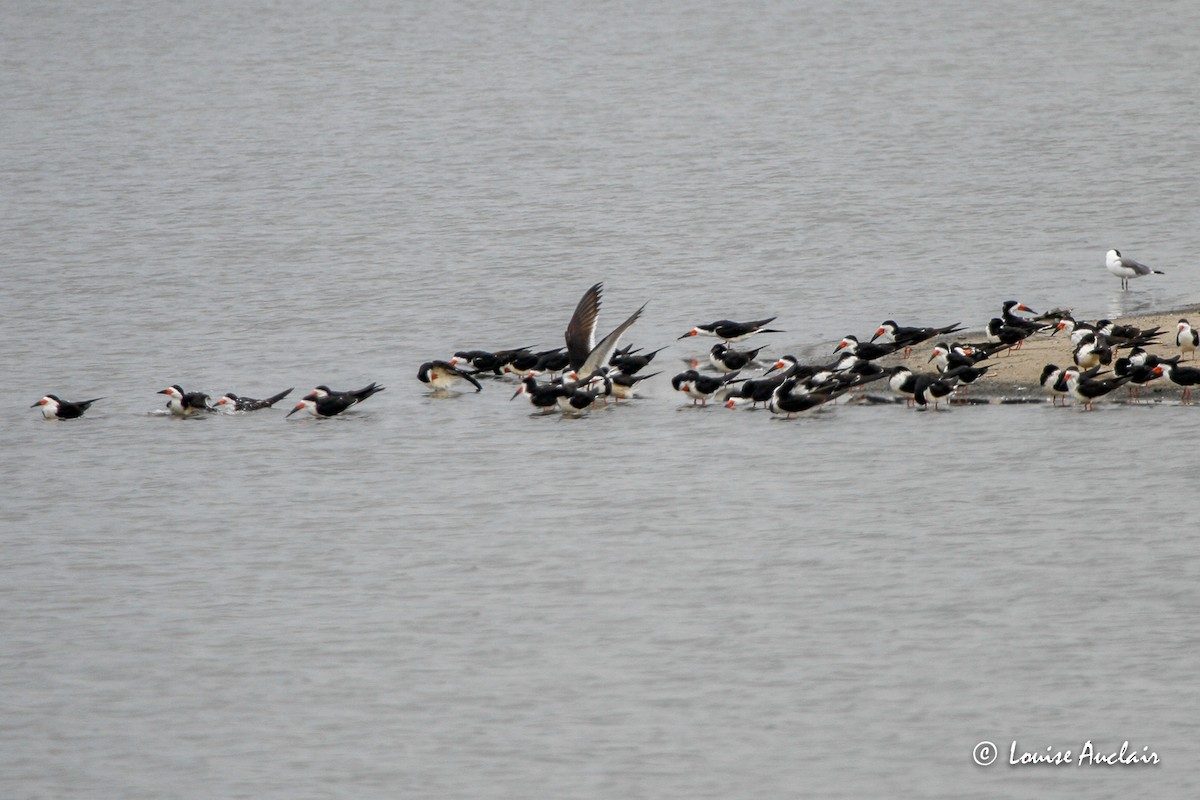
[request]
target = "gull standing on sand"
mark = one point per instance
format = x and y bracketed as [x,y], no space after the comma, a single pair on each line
[1126,268]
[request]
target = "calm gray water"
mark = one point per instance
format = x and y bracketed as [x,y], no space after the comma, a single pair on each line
[449,598]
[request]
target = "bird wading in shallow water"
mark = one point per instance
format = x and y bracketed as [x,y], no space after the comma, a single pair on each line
[1127,268]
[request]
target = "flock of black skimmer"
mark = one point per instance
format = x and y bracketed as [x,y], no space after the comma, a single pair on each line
[586,372]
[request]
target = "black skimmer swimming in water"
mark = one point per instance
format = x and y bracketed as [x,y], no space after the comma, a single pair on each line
[587,355]
[185,404]
[726,359]
[1087,390]
[53,407]
[729,331]
[483,361]
[1127,268]
[702,388]
[1187,339]
[232,402]
[1184,377]
[909,337]
[443,376]
[868,351]
[324,402]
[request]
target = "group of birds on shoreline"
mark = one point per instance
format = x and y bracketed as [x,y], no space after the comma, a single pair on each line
[586,371]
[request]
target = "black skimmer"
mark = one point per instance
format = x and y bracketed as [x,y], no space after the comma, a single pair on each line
[999,333]
[904,383]
[443,376]
[586,354]
[631,362]
[908,337]
[786,401]
[729,331]
[185,404]
[484,361]
[53,407]
[1088,390]
[1007,313]
[231,402]
[1091,353]
[542,396]
[1139,374]
[1185,377]
[1126,335]
[758,390]
[703,388]
[1187,339]
[625,386]
[324,402]
[1127,268]
[930,388]
[961,376]
[358,395]
[553,361]
[945,356]
[726,359]
[521,362]
[868,351]
[1075,329]
[1053,381]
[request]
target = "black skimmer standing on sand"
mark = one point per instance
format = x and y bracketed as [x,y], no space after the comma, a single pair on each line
[909,337]
[1091,353]
[999,333]
[1008,314]
[1126,335]
[443,376]
[1187,339]
[53,407]
[1127,268]
[703,388]
[868,351]
[1185,377]
[185,404]
[231,402]
[729,331]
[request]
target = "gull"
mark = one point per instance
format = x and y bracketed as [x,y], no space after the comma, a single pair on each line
[1126,268]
